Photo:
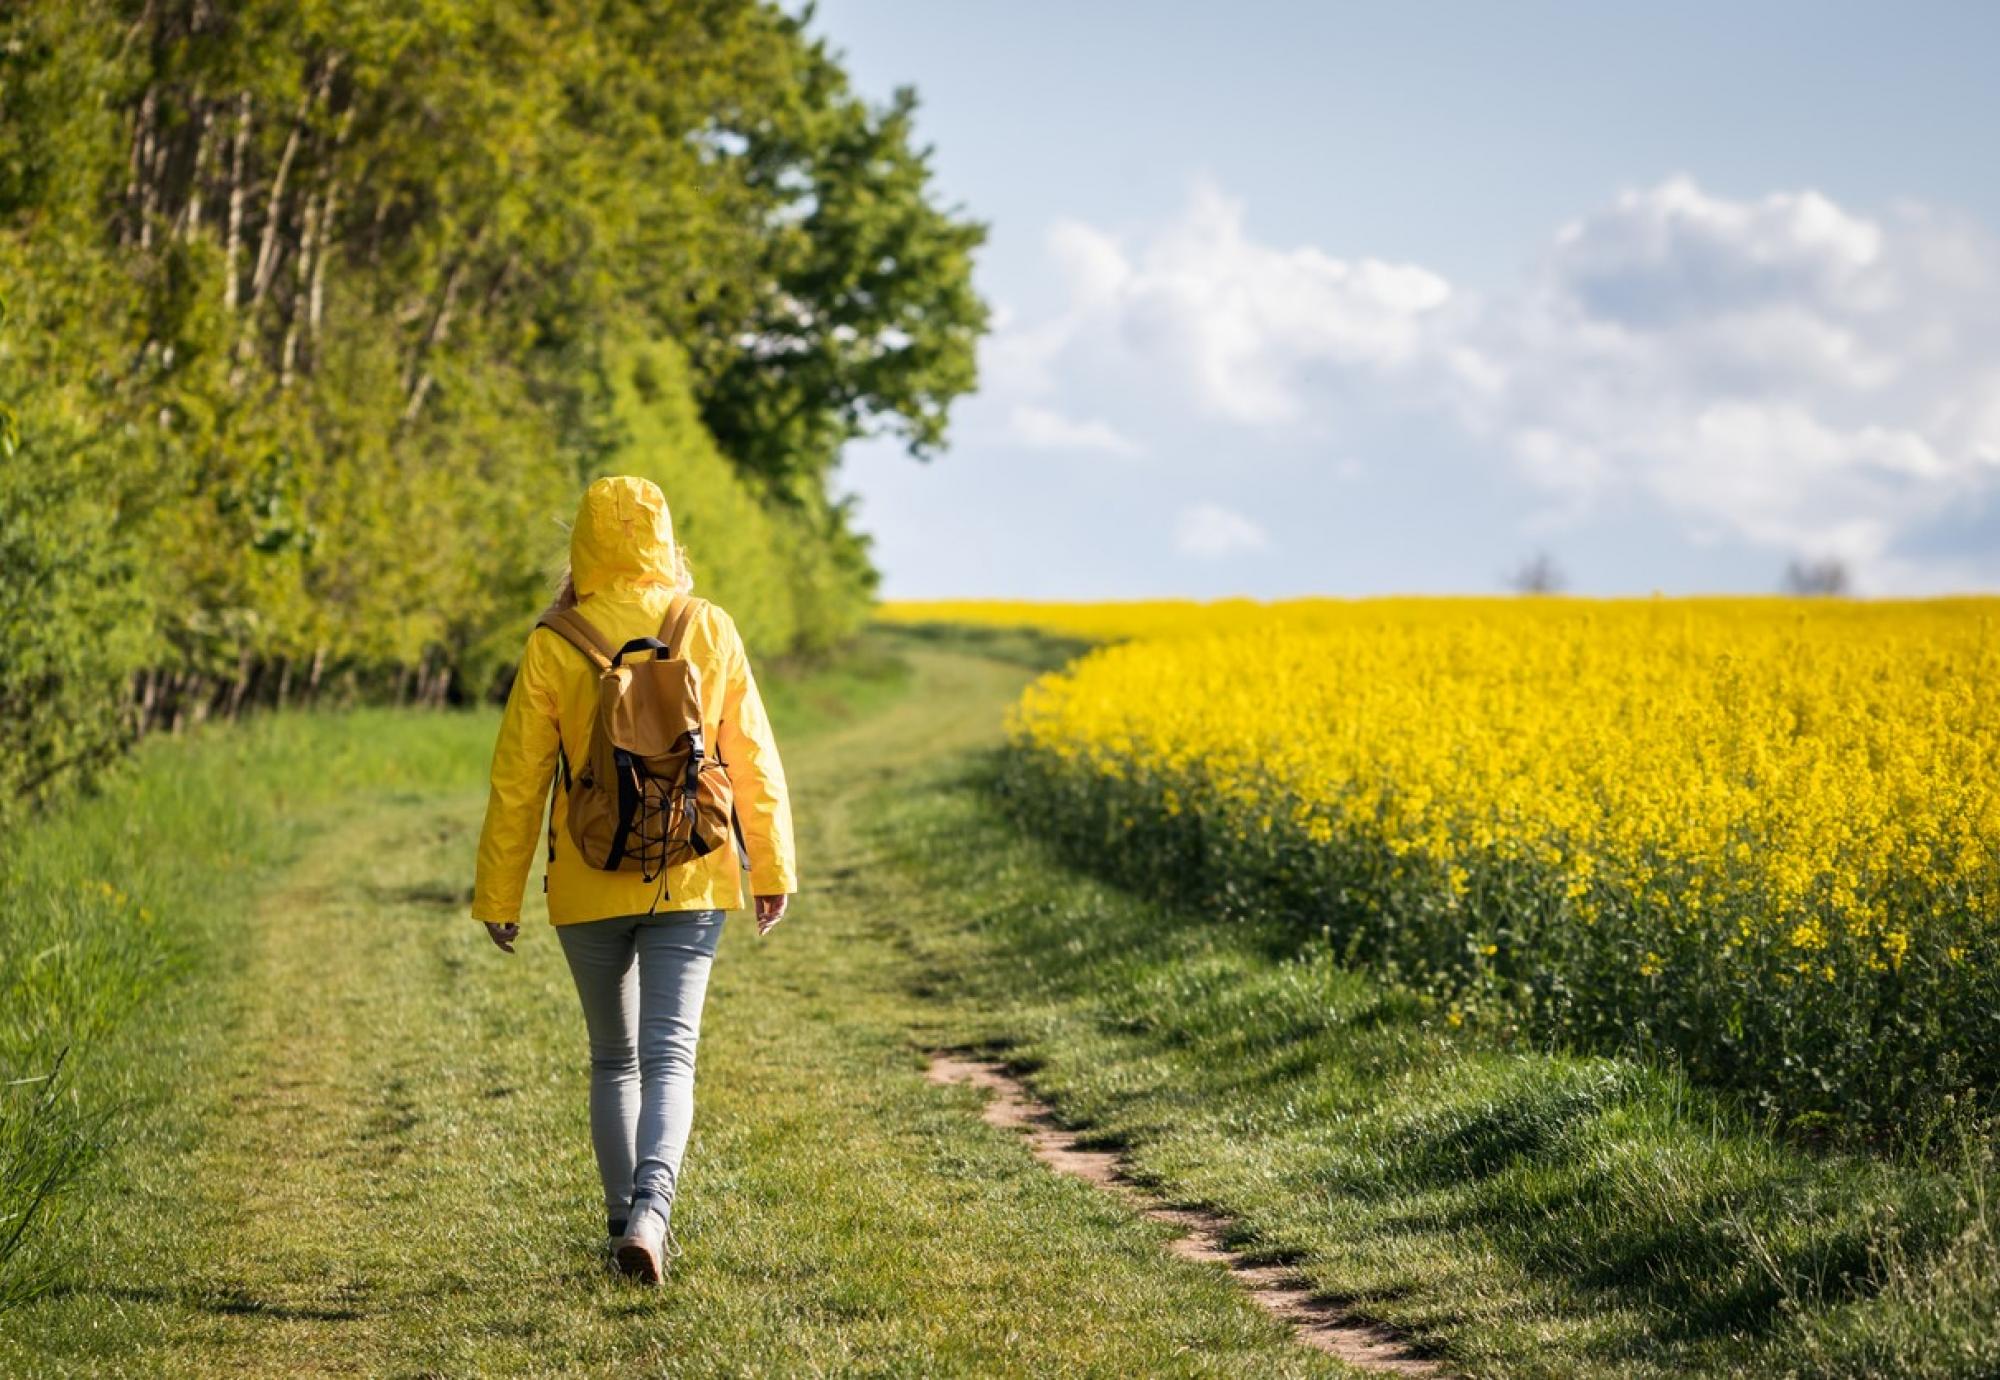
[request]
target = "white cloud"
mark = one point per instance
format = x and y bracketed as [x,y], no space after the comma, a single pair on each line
[1781,369]
[1241,325]
[1092,262]
[1043,428]
[1210,532]
[1673,252]
[1794,374]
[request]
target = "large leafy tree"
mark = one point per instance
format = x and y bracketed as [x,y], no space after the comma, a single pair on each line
[320,308]
[860,315]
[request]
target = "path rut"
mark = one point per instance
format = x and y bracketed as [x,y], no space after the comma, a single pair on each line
[1202,1232]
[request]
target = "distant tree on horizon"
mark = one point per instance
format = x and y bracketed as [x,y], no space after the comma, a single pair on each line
[1828,577]
[1539,574]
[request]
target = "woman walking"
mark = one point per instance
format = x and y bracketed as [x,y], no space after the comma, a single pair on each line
[639,942]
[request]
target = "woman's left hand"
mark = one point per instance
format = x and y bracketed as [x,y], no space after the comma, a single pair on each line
[770,910]
[503,935]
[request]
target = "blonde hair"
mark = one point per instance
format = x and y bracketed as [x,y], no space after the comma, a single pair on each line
[683,572]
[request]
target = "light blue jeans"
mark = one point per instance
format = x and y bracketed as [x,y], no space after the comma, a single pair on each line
[642,979]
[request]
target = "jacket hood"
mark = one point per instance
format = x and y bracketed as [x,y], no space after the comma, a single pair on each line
[623,535]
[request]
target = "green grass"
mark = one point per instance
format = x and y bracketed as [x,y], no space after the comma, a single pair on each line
[348,1136]
[810,696]
[116,915]
[1032,649]
[375,1159]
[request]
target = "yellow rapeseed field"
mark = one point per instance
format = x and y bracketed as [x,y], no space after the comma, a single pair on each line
[1760,835]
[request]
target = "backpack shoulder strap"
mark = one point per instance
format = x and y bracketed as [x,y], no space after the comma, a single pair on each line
[578,631]
[679,612]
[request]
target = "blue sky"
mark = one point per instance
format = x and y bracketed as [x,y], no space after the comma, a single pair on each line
[1318,298]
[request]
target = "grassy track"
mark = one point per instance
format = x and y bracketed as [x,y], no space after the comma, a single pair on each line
[372,1157]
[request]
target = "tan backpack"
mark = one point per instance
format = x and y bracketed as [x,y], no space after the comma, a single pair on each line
[650,794]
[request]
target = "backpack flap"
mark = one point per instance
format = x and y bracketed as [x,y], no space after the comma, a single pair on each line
[647,707]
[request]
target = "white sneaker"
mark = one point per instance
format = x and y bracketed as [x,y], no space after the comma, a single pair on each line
[642,1252]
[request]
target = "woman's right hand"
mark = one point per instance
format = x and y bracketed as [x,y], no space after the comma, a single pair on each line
[503,935]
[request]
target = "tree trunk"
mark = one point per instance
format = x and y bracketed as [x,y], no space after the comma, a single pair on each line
[417,396]
[316,292]
[329,213]
[375,224]
[149,680]
[141,190]
[499,283]
[184,700]
[417,379]
[191,213]
[302,286]
[238,686]
[274,205]
[232,290]
[267,250]
[266,264]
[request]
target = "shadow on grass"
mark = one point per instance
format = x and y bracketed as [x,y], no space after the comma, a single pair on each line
[431,895]
[229,1303]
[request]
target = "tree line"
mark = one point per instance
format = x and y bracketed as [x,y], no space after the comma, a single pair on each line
[318,316]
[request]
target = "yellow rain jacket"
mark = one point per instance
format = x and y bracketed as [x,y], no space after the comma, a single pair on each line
[623,566]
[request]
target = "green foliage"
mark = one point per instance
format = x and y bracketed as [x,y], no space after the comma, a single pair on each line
[73,605]
[67,625]
[324,314]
